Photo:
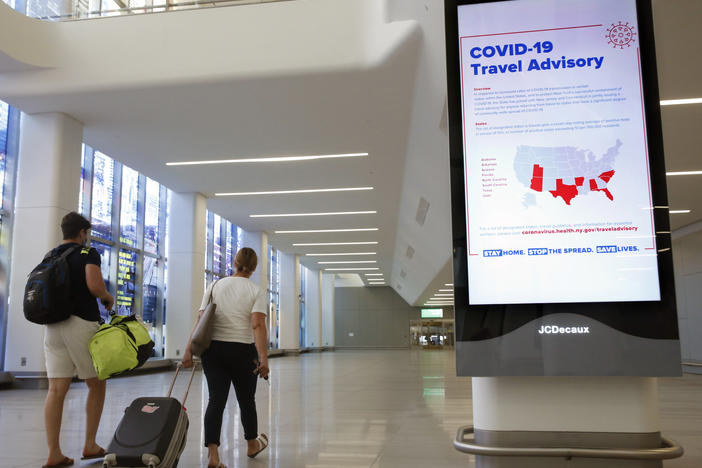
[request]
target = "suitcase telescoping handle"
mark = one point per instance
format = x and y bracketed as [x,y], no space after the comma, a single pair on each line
[190,381]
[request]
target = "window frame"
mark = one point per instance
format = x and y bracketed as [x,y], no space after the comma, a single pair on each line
[116,245]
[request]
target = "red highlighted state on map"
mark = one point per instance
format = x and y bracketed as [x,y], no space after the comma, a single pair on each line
[566,192]
[605,176]
[537,179]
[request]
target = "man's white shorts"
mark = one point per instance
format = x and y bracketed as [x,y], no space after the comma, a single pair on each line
[66,348]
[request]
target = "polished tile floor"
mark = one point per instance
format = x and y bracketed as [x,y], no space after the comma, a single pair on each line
[323,410]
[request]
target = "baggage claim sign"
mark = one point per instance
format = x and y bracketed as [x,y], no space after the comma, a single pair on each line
[562,250]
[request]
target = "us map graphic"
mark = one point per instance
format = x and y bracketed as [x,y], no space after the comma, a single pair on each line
[565,172]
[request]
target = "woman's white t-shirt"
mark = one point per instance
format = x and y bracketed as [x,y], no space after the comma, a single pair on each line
[236,299]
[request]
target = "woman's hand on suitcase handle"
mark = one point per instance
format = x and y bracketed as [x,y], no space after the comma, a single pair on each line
[188,359]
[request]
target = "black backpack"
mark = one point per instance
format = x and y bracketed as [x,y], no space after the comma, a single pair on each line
[48,297]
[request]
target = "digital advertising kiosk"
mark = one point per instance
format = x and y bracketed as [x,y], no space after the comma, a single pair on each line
[561,234]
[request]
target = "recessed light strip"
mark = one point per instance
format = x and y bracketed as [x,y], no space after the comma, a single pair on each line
[677,102]
[351,269]
[267,159]
[333,243]
[292,215]
[348,262]
[339,254]
[679,211]
[374,274]
[287,192]
[683,173]
[305,231]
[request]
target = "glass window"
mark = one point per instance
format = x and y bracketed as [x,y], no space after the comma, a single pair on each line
[126,274]
[104,250]
[231,239]
[151,216]
[217,259]
[130,205]
[103,186]
[150,296]
[4,119]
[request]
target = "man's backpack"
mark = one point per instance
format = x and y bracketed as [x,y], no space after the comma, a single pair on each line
[48,297]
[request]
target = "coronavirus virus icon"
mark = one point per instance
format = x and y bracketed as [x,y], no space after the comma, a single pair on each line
[621,35]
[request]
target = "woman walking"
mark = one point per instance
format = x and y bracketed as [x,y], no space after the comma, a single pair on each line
[238,354]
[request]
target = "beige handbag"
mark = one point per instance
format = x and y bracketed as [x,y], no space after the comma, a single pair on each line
[202,336]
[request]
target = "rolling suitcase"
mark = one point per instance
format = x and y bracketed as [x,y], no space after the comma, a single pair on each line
[152,433]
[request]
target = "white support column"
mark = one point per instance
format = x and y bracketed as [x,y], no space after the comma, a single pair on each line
[47,189]
[313,313]
[327,291]
[289,301]
[187,228]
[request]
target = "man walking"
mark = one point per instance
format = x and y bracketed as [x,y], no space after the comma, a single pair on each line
[66,342]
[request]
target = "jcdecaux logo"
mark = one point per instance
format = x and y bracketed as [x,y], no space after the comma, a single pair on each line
[557,330]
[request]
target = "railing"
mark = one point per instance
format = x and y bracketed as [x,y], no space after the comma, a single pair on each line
[670,449]
[69,10]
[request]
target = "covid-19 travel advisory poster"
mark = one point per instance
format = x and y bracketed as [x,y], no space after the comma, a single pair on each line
[557,183]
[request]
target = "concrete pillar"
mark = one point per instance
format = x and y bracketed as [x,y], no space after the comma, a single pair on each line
[187,228]
[289,301]
[327,292]
[581,412]
[47,189]
[313,305]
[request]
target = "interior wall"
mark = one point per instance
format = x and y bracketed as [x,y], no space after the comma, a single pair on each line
[687,256]
[375,317]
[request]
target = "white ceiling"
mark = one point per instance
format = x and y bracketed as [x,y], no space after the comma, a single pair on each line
[391,106]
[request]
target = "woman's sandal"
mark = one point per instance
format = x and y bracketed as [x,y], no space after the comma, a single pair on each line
[63,463]
[262,444]
[99,454]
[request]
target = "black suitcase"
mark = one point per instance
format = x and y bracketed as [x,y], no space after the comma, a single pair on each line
[152,433]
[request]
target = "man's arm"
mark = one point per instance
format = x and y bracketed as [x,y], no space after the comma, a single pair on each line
[96,285]
[258,322]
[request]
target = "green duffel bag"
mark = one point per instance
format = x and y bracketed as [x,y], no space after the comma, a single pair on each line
[122,345]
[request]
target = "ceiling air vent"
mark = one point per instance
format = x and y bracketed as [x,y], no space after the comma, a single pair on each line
[410,251]
[422,211]
[403,274]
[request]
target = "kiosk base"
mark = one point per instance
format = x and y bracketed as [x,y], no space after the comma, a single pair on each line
[544,422]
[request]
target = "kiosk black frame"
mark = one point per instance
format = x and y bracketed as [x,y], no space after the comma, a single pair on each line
[482,330]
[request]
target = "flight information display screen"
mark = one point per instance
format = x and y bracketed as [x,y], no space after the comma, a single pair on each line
[558,197]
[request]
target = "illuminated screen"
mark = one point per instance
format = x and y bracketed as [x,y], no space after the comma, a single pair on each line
[432,313]
[558,194]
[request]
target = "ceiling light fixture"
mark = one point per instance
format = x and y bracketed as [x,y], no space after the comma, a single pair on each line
[677,102]
[304,231]
[448,284]
[348,262]
[334,243]
[374,274]
[683,173]
[339,254]
[679,211]
[268,159]
[445,290]
[351,269]
[291,215]
[441,294]
[285,192]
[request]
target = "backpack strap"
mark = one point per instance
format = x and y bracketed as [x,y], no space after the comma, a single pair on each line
[64,255]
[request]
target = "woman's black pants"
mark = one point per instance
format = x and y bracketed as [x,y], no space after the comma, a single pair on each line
[227,363]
